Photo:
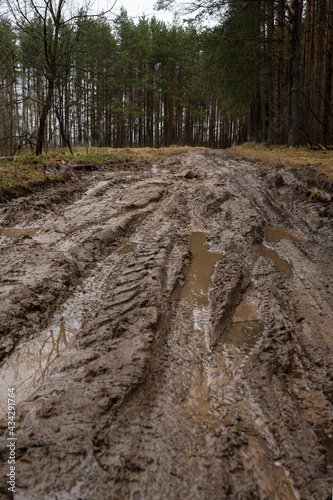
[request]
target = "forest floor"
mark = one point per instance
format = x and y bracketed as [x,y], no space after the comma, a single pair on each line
[25,173]
[167,328]
[319,160]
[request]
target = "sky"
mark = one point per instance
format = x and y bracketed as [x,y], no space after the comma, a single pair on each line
[135,8]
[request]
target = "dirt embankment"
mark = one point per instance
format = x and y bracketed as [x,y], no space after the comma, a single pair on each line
[170,337]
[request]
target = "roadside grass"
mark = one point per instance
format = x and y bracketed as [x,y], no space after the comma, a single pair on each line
[143,155]
[25,169]
[321,161]
[21,171]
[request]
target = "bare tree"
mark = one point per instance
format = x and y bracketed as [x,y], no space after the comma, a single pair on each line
[52,25]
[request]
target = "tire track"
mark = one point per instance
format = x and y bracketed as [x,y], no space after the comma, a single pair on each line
[167,391]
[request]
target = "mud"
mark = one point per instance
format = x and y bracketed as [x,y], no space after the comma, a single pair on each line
[169,336]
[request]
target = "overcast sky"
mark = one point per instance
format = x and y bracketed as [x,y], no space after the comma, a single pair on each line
[135,8]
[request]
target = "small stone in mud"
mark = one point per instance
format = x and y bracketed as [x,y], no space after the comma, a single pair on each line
[191,174]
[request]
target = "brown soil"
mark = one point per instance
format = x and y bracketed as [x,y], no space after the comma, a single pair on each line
[170,337]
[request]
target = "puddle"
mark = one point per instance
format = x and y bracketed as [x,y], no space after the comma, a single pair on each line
[197,404]
[28,365]
[129,248]
[246,311]
[277,233]
[201,269]
[281,264]
[212,371]
[271,474]
[213,398]
[243,334]
[15,233]
[199,400]
[197,227]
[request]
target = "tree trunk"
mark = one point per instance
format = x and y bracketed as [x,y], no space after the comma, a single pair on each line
[43,117]
[296,7]
[320,66]
[280,74]
[63,131]
[270,76]
[328,76]
[256,121]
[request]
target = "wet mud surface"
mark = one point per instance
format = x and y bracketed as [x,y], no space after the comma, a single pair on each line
[170,336]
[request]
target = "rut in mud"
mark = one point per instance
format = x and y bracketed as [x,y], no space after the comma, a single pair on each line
[171,337]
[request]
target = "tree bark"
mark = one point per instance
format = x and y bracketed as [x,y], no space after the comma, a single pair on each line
[328,76]
[270,76]
[295,8]
[42,120]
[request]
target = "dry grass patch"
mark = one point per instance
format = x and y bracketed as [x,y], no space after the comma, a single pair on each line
[321,161]
[142,155]
[150,155]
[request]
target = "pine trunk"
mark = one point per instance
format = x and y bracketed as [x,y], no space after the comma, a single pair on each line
[296,7]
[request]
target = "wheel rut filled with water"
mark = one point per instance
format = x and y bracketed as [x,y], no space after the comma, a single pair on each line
[169,336]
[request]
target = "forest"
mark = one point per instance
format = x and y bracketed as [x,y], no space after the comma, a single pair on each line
[262,72]
[166,278]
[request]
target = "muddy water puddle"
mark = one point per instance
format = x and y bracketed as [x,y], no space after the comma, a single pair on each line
[247,310]
[211,369]
[213,394]
[199,401]
[277,233]
[197,227]
[243,334]
[30,363]
[271,474]
[16,232]
[195,324]
[282,264]
[201,269]
[26,368]
[128,248]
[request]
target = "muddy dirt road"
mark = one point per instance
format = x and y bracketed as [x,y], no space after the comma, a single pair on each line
[170,337]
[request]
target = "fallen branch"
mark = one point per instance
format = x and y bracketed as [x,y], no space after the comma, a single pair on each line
[311,143]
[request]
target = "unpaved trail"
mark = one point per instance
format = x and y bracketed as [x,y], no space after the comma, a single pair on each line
[168,337]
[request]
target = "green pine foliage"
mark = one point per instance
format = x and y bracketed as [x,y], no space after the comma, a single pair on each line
[116,84]
[263,72]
